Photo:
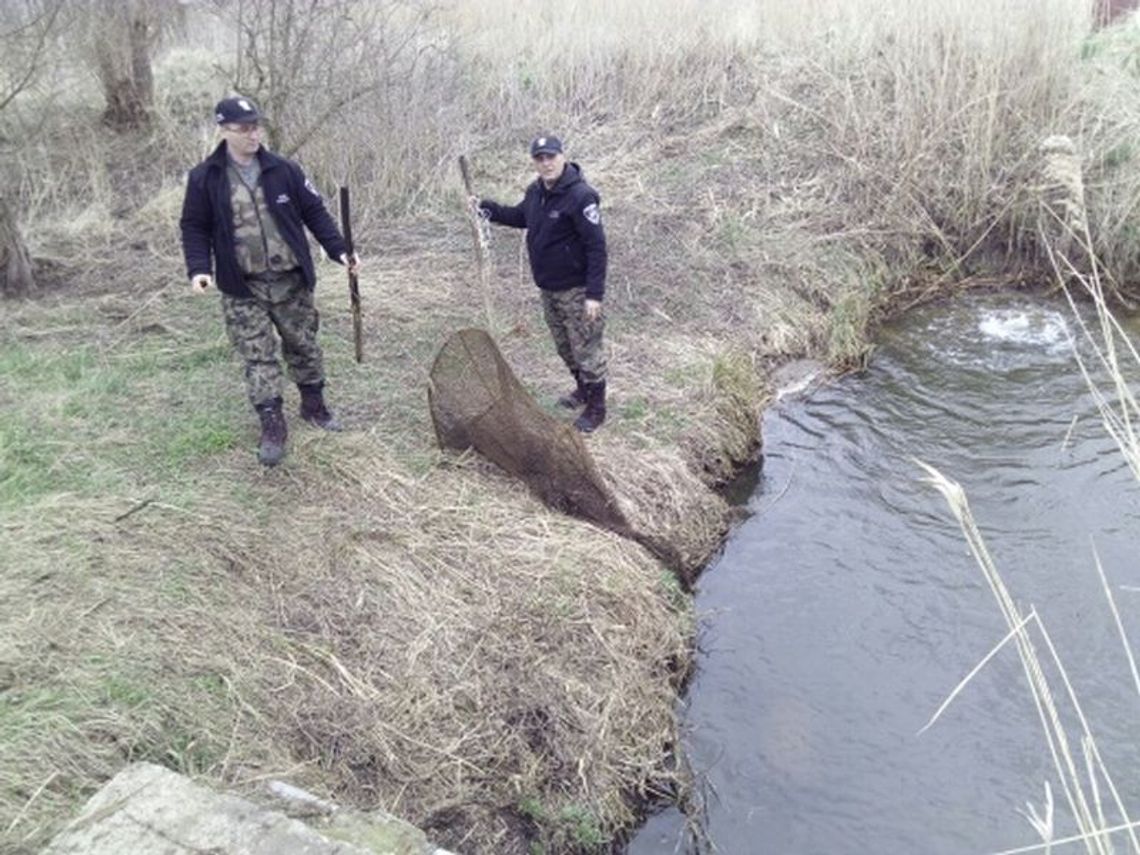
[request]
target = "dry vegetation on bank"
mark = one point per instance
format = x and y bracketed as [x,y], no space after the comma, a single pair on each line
[388,625]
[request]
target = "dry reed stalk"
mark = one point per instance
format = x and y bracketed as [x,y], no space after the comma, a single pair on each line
[1082,794]
[1059,841]
[1122,415]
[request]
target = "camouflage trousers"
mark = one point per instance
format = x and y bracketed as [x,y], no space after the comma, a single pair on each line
[281,307]
[579,341]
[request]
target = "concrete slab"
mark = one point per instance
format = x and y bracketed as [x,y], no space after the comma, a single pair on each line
[149,810]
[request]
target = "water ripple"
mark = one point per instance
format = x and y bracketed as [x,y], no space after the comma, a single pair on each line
[844,611]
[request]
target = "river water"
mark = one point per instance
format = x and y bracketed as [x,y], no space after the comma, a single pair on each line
[846,608]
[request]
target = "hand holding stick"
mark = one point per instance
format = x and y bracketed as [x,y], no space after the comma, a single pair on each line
[479,235]
[353,285]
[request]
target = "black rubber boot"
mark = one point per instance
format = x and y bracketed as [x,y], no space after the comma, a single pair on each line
[313,409]
[595,412]
[574,400]
[271,449]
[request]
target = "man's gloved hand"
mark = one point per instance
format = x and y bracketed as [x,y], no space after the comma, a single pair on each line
[200,283]
[593,309]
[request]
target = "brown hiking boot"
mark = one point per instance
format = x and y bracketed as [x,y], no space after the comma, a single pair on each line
[271,448]
[595,412]
[313,409]
[574,400]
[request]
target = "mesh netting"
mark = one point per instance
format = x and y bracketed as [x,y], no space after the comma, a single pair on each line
[477,402]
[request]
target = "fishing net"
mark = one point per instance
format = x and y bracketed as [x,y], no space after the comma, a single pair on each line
[477,402]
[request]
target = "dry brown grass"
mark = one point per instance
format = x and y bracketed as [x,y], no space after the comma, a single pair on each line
[440,644]
[391,626]
[455,650]
[384,624]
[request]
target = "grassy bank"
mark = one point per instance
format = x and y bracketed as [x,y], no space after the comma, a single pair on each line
[389,625]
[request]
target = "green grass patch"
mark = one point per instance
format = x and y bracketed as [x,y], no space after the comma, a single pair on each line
[581,826]
[211,355]
[573,827]
[119,691]
[532,808]
[183,747]
[89,422]
[199,436]
[634,409]
[21,708]
[733,376]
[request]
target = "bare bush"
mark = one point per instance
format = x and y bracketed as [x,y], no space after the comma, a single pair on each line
[306,63]
[25,30]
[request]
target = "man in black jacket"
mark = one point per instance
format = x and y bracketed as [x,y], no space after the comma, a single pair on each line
[567,248]
[243,229]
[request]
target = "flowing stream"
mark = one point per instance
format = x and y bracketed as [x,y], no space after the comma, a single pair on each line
[847,607]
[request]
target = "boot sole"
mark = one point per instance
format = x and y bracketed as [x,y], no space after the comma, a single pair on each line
[587,428]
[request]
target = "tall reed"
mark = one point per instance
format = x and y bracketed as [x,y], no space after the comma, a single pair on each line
[1080,768]
[1110,379]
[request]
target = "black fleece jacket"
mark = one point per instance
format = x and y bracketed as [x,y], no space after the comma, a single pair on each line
[208,224]
[564,235]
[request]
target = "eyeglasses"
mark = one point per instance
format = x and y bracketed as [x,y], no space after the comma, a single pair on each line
[246,128]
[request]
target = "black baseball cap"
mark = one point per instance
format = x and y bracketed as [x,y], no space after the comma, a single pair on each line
[545,145]
[237,111]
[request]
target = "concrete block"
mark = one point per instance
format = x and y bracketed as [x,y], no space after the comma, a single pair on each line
[149,810]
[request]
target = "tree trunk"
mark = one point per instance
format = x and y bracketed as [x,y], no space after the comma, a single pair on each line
[123,60]
[1107,11]
[15,264]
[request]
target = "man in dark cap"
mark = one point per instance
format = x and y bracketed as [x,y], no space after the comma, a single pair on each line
[567,248]
[243,222]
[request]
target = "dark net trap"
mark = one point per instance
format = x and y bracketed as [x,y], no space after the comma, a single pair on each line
[477,402]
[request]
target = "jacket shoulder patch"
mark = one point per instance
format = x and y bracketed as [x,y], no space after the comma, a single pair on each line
[592,213]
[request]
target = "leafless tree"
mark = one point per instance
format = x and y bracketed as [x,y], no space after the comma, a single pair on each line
[16,277]
[308,61]
[25,33]
[123,36]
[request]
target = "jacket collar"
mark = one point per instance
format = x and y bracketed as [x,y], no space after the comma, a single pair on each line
[218,157]
[571,175]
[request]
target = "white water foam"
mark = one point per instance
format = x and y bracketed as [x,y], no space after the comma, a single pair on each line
[1037,329]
